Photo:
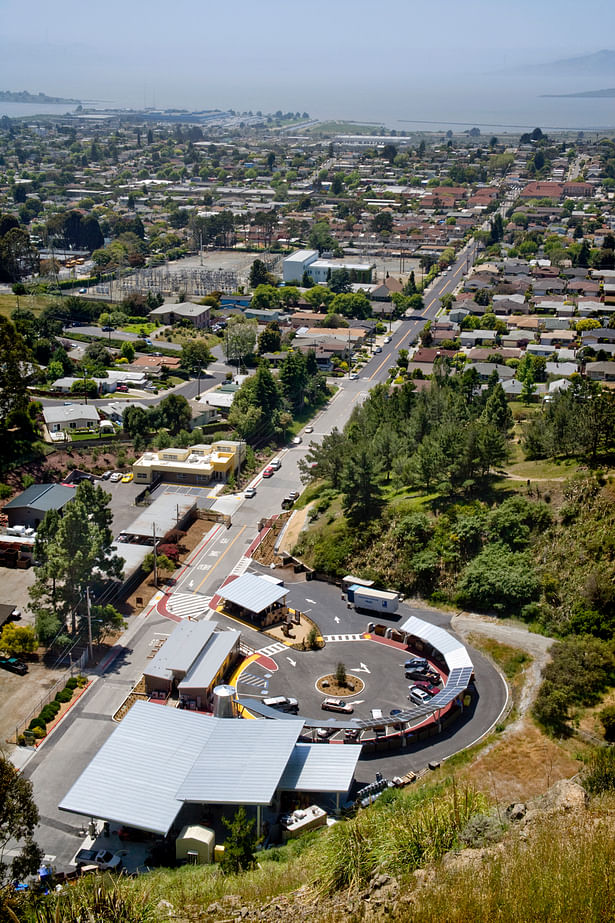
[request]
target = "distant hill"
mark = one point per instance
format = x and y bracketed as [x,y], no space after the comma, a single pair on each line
[588,94]
[23,96]
[587,65]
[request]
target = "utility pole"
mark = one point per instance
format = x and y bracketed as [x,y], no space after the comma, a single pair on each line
[90,649]
[155,559]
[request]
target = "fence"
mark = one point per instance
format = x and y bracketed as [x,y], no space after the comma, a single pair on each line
[75,667]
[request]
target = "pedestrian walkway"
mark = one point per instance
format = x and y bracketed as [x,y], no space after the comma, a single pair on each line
[188,605]
[276,648]
[251,679]
[329,638]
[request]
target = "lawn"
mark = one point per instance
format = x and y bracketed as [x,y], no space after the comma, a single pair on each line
[34,303]
[146,327]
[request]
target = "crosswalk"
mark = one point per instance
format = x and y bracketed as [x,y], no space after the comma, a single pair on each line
[189,605]
[241,567]
[251,679]
[276,648]
[329,638]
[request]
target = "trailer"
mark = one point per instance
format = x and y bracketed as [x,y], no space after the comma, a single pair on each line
[368,598]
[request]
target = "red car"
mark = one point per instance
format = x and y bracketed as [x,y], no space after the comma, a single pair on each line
[428,687]
[268,472]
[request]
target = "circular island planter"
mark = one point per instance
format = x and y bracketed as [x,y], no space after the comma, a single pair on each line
[329,686]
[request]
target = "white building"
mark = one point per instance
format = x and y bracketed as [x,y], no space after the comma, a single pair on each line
[319,270]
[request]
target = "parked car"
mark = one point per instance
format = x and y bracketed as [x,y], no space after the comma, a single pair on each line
[268,472]
[351,733]
[418,695]
[353,376]
[83,291]
[127,478]
[116,476]
[378,349]
[417,663]
[294,495]
[14,665]
[122,389]
[429,688]
[388,339]
[106,475]
[275,463]
[249,493]
[296,440]
[337,705]
[283,703]
[325,733]
[308,429]
[103,858]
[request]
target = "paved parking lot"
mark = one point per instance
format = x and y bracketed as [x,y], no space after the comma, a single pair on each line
[122,503]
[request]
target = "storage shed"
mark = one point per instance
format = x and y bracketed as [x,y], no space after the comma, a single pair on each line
[195,845]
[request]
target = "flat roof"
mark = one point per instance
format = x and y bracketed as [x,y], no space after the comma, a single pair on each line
[314,768]
[204,669]
[164,513]
[252,593]
[181,649]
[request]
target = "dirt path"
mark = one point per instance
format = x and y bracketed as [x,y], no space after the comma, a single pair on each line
[516,635]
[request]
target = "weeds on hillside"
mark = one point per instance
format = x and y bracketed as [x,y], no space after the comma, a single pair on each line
[403,833]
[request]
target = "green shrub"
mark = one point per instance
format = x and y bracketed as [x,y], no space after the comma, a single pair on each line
[39,732]
[65,695]
[601,771]
[607,717]
[37,722]
[72,683]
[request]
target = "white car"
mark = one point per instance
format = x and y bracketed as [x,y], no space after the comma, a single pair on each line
[353,376]
[249,493]
[387,339]
[308,429]
[116,476]
[296,440]
[418,696]
[337,705]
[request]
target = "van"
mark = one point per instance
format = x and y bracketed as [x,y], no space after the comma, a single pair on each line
[283,703]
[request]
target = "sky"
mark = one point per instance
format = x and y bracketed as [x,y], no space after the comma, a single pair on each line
[345,58]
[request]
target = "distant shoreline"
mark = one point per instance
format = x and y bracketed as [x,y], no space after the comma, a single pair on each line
[41,99]
[588,94]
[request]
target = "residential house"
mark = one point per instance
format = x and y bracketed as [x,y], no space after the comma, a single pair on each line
[197,314]
[68,418]
[601,371]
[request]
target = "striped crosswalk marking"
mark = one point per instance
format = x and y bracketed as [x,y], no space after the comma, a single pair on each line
[241,567]
[250,679]
[189,604]
[329,638]
[276,648]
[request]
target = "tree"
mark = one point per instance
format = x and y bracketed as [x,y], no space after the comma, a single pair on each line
[265,297]
[340,674]
[340,281]
[18,639]
[174,413]
[18,819]
[127,350]
[389,152]
[270,340]
[136,422]
[259,274]
[360,490]
[497,410]
[320,237]
[74,548]
[383,221]
[18,256]
[293,378]
[195,356]
[240,340]
[240,844]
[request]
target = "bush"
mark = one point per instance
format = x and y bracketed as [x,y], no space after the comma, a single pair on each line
[65,695]
[499,579]
[39,732]
[607,718]
[72,683]
[601,771]
[37,722]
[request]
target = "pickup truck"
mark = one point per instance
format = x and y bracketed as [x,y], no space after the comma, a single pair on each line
[103,858]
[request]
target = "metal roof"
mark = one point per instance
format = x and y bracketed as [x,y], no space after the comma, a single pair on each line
[314,768]
[134,777]
[204,669]
[442,640]
[181,649]
[242,762]
[42,497]
[252,593]
[164,512]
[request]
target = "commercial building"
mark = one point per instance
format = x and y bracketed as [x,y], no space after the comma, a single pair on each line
[260,600]
[319,270]
[161,766]
[198,464]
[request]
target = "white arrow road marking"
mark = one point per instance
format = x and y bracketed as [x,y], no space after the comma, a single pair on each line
[361,669]
[293,663]
[191,583]
[312,601]
[357,702]
[337,620]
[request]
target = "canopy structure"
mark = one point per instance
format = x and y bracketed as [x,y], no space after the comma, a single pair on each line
[252,593]
[160,758]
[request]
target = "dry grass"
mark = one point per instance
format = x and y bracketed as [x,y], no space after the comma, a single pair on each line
[520,765]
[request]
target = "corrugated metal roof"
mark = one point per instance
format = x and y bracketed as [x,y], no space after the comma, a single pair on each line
[203,671]
[252,593]
[242,762]
[134,777]
[314,768]
[42,497]
[442,640]
[181,649]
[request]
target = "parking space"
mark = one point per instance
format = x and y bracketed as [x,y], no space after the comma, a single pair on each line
[122,503]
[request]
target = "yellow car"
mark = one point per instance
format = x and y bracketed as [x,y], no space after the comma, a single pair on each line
[127,478]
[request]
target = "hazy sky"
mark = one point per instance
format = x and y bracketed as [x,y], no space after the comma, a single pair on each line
[338,56]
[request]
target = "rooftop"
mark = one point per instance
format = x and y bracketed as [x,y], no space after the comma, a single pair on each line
[253,593]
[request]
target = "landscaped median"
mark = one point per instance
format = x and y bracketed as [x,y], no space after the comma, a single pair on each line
[54,711]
